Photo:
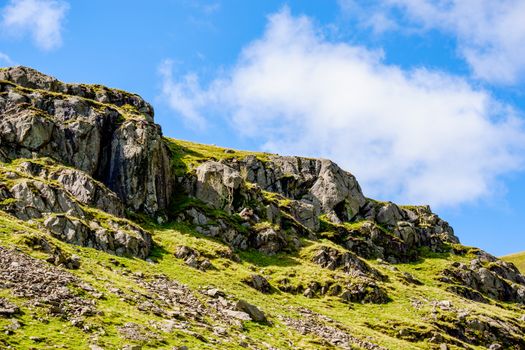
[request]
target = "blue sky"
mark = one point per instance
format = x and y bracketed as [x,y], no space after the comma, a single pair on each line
[422,100]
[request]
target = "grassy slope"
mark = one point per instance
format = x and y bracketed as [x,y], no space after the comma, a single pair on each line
[361,320]
[517,259]
[96,270]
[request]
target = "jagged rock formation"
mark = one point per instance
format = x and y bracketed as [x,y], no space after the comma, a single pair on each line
[493,278]
[107,134]
[109,139]
[254,236]
[299,195]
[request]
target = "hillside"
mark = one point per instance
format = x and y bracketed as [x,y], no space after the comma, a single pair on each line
[113,236]
[517,259]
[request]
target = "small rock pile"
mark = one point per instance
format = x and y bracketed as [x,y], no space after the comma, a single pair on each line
[334,334]
[43,285]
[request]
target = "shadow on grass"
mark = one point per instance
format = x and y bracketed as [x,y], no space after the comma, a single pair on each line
[260,259]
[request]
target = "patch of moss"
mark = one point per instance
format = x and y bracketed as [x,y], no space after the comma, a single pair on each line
[188,155]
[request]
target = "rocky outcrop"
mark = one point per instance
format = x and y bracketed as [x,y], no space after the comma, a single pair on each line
[477,328]
[60,198]
[318,182]
[217,185]
[108,134]
[293,194]
[331,258]
[88,149]
[303,197]
[495,279]
[259,283]
[120,238]
[192,258]
[365,291]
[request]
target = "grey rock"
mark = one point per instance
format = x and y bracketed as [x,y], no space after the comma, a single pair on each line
[259,283]
[252,310]
[389,214]
[306,214]
[364,291]
[192,258]
[497,280]
[125,239]
[7,308]
[239,315]
[89,191]
[331,258]
[216,184]
[68,123]
[337,190]
[317,181]
[269,241]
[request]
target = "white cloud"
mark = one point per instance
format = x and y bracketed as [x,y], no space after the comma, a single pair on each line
[412,136]
[368,15]
[6,60]
[490,34]
[185,97]
[42,19]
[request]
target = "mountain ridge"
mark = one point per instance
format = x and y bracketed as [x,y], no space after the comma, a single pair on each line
[210,247]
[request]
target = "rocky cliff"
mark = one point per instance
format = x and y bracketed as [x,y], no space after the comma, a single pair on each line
[146,241]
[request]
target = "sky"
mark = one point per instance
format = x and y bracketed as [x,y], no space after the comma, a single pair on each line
[423,101]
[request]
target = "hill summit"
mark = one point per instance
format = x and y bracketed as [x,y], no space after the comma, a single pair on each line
[122,238]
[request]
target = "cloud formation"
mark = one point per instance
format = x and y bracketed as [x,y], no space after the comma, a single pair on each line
[185,96]
[41,19]
[416,136]
[490,34]
[5,59]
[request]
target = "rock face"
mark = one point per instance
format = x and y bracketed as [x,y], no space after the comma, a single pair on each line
[283,198]
[105,133]
[89,147]
[493,278]
[318,182]
[216,185]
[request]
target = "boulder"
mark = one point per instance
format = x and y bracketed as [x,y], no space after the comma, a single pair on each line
[331,258]
[389,214]
[252,310]
[259,283]
[364,291]
[269,241]
[217,184]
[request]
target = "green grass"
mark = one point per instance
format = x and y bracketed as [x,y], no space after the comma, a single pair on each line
[188,155]
[517,259]
[375,322]
[293,272]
